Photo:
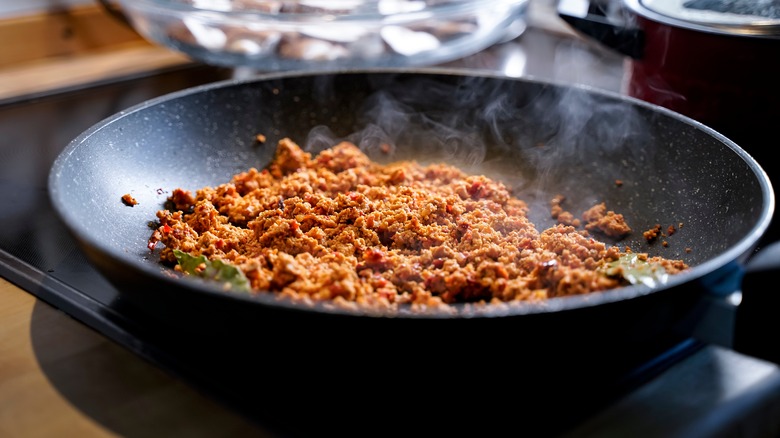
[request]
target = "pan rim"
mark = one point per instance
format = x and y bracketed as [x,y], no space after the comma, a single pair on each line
[737,252]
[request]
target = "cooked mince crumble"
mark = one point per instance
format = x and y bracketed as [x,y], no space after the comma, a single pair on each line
[341,228]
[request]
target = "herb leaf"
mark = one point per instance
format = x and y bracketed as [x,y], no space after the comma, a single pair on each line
[216,270]
[637,271]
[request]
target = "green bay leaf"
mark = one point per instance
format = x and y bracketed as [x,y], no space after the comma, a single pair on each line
[215,270]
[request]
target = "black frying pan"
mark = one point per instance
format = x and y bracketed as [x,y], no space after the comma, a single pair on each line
[540,138]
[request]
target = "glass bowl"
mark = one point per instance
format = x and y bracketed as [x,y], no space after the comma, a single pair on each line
[306,34]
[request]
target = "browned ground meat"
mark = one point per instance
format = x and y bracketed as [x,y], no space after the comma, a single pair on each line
[612,224]
[340,227]
[557,212]
[653,233]
[129,200]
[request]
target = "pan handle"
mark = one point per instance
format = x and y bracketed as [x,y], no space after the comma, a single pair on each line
[600,20]
[738,308]
[757,324]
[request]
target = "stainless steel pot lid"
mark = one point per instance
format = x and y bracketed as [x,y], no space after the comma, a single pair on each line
[760,18]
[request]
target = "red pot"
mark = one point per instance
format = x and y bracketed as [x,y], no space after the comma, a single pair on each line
[720,67]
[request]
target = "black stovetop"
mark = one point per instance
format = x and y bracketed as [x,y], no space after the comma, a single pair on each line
[690,390]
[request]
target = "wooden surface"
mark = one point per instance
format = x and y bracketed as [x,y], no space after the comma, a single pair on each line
[59,378]
[69,47]
[57,74]
[61,32]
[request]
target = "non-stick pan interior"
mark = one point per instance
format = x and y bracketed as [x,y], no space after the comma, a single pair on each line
[541,139]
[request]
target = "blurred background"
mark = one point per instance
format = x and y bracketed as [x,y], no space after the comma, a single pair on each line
[85,42]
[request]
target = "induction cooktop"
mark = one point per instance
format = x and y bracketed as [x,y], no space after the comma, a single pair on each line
[679,389]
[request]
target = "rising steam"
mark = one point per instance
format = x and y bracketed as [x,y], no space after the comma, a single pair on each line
[538,137]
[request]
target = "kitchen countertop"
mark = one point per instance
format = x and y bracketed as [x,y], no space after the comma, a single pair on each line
[59,377]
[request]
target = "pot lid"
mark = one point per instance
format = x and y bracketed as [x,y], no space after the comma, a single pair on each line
[737,17]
